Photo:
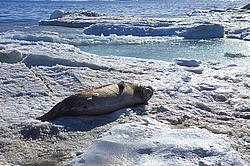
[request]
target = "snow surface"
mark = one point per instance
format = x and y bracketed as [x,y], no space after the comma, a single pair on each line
[57,14]
[216,99]
[153,143]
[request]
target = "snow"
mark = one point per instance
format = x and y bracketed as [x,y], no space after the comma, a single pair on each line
[216,99]
[37,37]
[194,31]
[198,115]
[57,14]
[188,62]
[240,33]
[247,7]
[200,24]
[10,56]
[151,142]
[203,31]
[82,39]
[234,55]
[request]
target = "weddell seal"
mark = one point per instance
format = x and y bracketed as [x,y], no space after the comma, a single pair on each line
[100,100]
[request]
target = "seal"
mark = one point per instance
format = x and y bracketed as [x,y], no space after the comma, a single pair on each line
[100,100]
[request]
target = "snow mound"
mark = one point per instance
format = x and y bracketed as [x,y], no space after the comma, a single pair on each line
[44,60]
[240,33]
[83,39]
[57,14]
[188,62]
[10,56]
[247,7]
[54,38]
[152,143]
[234,55]
[203,31]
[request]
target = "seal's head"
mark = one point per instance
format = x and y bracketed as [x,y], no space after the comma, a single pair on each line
[145,92]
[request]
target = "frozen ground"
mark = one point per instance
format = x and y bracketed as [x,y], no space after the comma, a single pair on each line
[152,143]
[188,93]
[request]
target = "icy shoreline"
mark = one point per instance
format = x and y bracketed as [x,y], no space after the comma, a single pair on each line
[188,93]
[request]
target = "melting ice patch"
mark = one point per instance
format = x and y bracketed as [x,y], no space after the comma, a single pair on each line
[153,143]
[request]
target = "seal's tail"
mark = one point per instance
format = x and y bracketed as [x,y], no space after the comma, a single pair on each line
[52,114]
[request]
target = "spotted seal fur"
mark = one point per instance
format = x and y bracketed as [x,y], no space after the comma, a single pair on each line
[100,100]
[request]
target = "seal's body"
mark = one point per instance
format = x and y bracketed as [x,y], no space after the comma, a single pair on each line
[100,100]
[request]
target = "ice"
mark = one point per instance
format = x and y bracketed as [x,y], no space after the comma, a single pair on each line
[203,31]
[82,39]
[202,109]
[195,31]
[153,143]
[57,14]
[201,24]
[247,7]
[10,56]
[197,70]
[240,33]
[123,29]
[188,62]
[217,99]
[234,55]
[37,37]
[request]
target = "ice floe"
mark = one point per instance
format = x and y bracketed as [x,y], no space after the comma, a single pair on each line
[195,31]
[10,56]
[201,24]
[153,143]
[188,62]
[234,55]
[217,99]
[57,14]
[83,39]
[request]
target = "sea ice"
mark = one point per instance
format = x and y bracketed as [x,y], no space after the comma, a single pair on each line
[153,143]
[217,99]
[57,14]
[195,31]
[188,62]
[234,55]
[203,31]
[10,56]
[201,24]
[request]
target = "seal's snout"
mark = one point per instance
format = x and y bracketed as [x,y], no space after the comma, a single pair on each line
[147,92]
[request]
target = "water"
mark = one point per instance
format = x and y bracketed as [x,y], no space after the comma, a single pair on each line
[24,16]
[206,50]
